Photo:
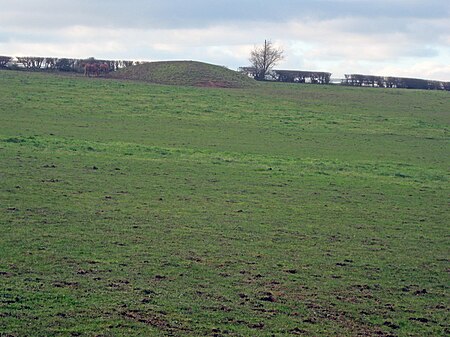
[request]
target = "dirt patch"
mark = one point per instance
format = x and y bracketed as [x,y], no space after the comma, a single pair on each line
[349,323]
[321,312]
[65,284]
[298,331]
[157,320]
[268,296]
[6,274]
[119,285]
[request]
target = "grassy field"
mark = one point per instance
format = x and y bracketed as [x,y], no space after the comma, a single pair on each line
[185,73]
[130,209]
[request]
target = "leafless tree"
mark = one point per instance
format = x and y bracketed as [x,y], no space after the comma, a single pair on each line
[50,63]
[31,62]
[4,60]
[25,61]
[264,58]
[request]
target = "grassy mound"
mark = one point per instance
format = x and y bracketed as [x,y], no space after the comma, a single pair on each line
[190,73]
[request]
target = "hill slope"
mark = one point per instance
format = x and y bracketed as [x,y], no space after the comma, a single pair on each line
[189,73]
[129,209]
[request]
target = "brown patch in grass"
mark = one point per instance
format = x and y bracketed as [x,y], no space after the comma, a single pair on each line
[157,320]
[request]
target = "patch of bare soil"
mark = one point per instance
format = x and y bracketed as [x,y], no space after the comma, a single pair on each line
[353,326]
[157,320]
[320,311]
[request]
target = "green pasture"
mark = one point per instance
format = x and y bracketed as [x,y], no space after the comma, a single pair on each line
[132,209]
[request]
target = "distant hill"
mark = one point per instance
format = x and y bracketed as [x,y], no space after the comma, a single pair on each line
[190,73]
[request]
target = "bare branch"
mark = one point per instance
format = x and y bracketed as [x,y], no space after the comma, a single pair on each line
[264,58]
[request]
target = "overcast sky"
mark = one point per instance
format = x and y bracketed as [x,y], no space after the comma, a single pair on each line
[382,37]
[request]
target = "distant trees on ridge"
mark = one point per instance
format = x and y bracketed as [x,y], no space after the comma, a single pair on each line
[58,64]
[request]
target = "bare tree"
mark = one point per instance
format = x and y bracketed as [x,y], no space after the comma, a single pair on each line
[264,58]
[25,62]
[4,60]
[50,63]
[30,62]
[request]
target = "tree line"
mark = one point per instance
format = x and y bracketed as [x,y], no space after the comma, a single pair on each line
[289,76]
[58,64]
[264,58]
[394,82]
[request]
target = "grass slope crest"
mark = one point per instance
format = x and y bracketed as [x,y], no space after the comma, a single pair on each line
[188,73]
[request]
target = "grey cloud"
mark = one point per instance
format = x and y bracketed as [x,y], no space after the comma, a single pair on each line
[423,52]
[201,13]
